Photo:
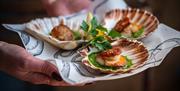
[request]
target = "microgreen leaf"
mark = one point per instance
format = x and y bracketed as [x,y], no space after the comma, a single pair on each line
[77,35]
[100,27]
[138,33]
[94,23]
[93,32]
[129,63]
[114,34]
[100,43]
[84,26]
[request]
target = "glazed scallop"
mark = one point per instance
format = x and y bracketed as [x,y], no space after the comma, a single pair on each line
[62,32]
[124,56]
[56,31]
[127,21]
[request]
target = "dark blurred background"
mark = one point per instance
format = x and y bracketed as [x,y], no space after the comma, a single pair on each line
[165,77]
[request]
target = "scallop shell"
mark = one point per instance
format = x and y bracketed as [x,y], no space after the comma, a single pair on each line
[135,51]
[41,28]
[141,17]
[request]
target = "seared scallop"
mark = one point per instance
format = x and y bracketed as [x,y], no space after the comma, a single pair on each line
[133,23]
[124,56]
[62,32]
[57,31]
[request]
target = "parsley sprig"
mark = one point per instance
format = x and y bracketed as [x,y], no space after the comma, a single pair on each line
[96,34]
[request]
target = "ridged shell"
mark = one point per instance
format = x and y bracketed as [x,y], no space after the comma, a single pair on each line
[141,17]
[135,51]
[41,28]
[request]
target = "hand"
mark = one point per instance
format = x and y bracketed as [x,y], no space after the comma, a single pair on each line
[17,62]
[65,7]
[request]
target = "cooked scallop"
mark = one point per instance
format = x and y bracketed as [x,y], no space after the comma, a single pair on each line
[124,56]
[129,21]
[62,32]
[56,31]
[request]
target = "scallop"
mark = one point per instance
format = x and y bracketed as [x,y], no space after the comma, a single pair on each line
[43,28]
[136,16]
[134,50]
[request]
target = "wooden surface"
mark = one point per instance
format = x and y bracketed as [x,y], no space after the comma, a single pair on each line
[165,77]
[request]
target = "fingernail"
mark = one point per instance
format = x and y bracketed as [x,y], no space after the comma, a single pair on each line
[88,83]
[56,76]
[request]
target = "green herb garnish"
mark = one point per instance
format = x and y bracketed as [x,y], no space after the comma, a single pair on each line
[138,33]
[114,34]
[101,43]
[77,35]
[129,63]
[93,32]
[84,26]
[100,27]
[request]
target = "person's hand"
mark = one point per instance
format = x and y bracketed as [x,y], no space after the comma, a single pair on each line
[17,62]
[65,7]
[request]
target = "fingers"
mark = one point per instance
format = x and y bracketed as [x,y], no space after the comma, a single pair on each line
[36,78]
[43,72]
[57,83]
[56,76]
[45,67]
[62,83]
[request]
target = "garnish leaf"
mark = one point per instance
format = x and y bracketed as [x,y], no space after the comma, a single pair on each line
[100,43]
[93,32]
[94,25]
[96,34]
[114,34]
[100,27]
[84,26]
[77,35]
[138,33]
[129,63]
